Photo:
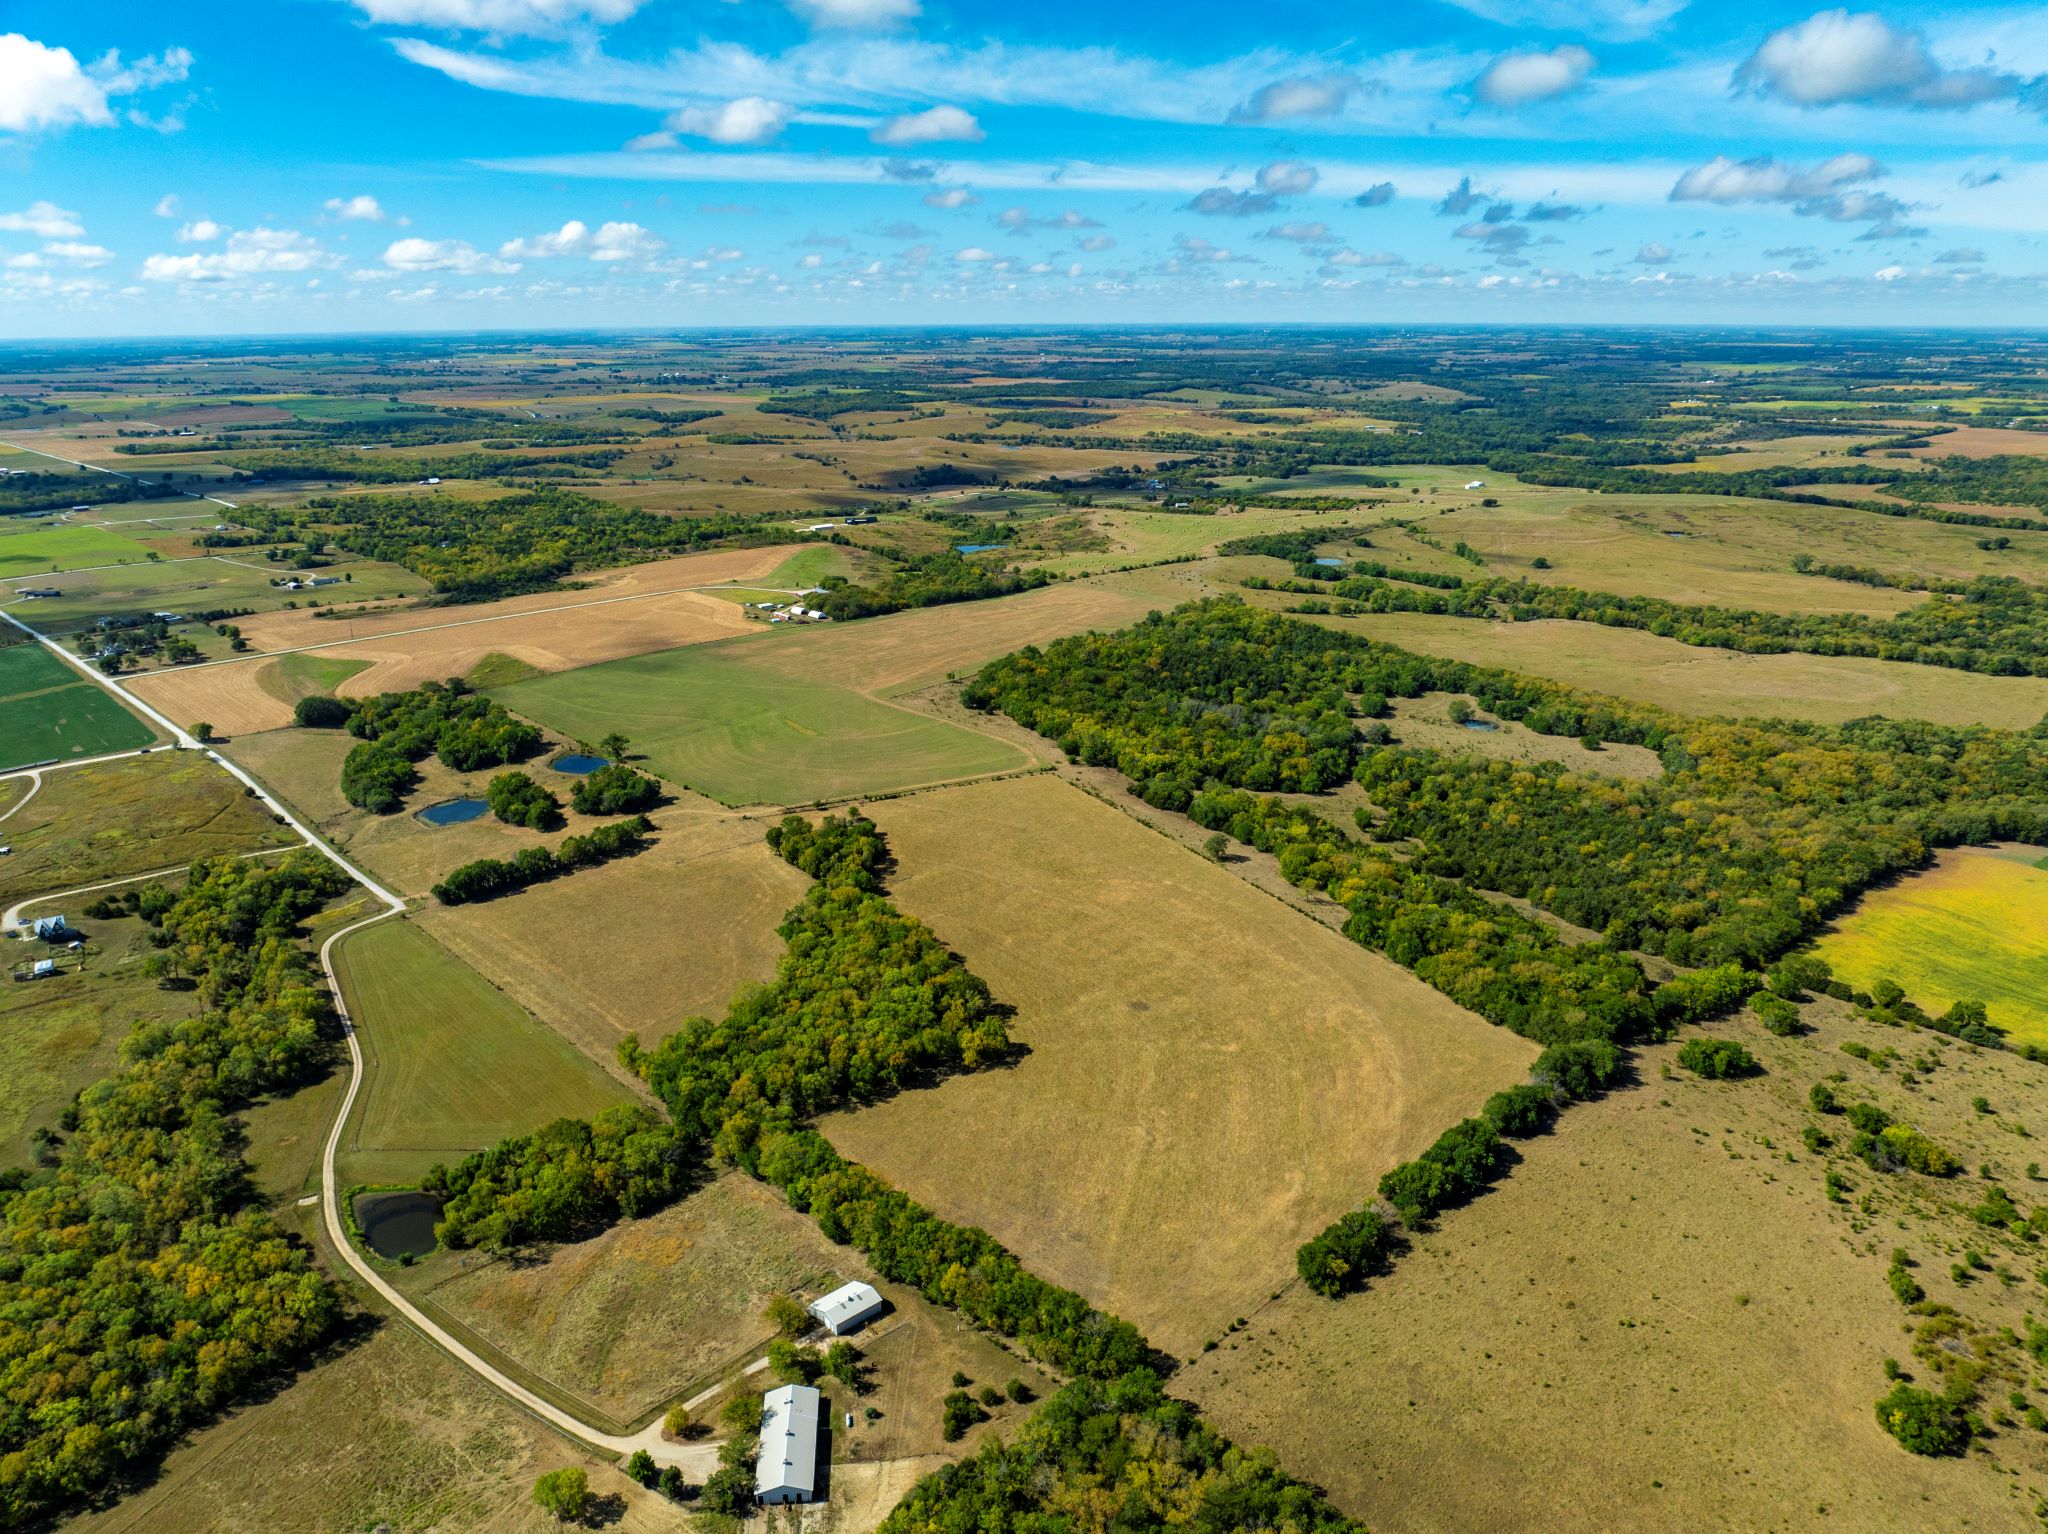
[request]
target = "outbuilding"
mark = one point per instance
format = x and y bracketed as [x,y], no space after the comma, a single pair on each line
[786,1468]
[848,1308]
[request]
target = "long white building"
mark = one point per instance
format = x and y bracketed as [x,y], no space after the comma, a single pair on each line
[787,1468]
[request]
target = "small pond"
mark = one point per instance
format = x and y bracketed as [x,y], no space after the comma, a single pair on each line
[1479,724]
[1327,559]
[578,763]
[978,548]
[398,1225]
[453,812]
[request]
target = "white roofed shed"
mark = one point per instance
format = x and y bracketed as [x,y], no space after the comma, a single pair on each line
[847,1308]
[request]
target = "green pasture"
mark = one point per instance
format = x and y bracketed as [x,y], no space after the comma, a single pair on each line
[753,729]
[39,548]
[48,711]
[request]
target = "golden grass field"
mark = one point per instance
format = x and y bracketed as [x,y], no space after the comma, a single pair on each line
[1195,1048]
[624,612]
[1629,663]
[1658,1322]
[1973,927]
[637,945]
[1976,441]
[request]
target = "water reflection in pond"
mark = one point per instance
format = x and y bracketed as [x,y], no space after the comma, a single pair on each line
[576,762]
[398,1225]
[453,812]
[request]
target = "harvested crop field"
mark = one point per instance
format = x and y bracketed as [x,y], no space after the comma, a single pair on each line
[1689,679]
[450,1064]
[640,609]
[1974,927]
[1210,1077]
[639,944]
[1657,1323]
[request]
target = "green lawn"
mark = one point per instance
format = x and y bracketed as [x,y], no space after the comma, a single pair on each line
[48,711]
[754,730]
[453,1065]
[40,548]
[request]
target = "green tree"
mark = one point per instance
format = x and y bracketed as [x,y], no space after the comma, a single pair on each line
[1214,847]
[677,1423]
[1717,1059]
[641,1467]
[728,1490]
[202,731]
[1922,1422]
[564,1493]
[614,746]
[787,1315]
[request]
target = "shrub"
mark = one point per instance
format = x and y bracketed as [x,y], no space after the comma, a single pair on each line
[1922,1422]
[615,790]
[1821,1097]
[1717,1059]
[319,712]
[1580,1068]
[960,1415]
[1777,1015]
[1340,1257]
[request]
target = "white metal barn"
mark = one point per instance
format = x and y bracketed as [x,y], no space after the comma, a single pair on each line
[787,1469]
[847,1308]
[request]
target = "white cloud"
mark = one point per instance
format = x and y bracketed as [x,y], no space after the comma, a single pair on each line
[1653,254]
[45,220]
[1095,244]
[73,253]
[747,120]
[625,242]
[359,209]
[936,125]
[1520,79]
[1600,18]
[1889,273]
[1300,96]
[414,254]
[167,205]
[1350,257]
[522,18]
[610,242]
[1834,58]
[199,231]
[1301,233]
[1287,178]
[1194,248]
[1965,255]
[854,13]
[951,197]
[974,255]
[43,87]
[1828,190]
[249,253]
[572,239]
[171,67]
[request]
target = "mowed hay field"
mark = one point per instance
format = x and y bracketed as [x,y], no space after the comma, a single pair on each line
[636,945]
[805,714]
[111,820]
[49,711]
[1689,679]
[450,1064]
[623,612]
[1974,927]
[1657,1322]
[1211,1076]
[33,548]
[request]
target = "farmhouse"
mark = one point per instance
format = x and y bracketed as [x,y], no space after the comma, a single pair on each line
[847,1308]
[787,1467]
[51,929]
[40,591]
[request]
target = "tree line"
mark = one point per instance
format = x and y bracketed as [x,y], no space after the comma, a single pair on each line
[488,878]
[141,1288]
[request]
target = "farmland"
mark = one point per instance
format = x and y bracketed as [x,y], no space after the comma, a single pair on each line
[112,820]
[684,925]
[1200,1068]
[1713,1361]
[451,1064]
[42,550]
[49,712]
[1974,927]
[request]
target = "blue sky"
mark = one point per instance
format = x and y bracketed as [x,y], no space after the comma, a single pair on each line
[336,165]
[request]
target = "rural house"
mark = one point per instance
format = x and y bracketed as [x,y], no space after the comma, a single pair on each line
[786,1469]
[848,1308]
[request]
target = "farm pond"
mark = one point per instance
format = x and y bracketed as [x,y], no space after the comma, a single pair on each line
[577,763]
[453,812]
[399,1224]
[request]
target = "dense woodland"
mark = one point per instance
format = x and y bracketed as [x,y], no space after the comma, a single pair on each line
[569,1179]
[928,580]
[465,730]
[141,1290]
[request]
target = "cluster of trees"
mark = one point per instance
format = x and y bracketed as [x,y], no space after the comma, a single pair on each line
[865,1000]
[928,580]
[516,799]
[823,404]
[570,1179]
[40,491]
[834,851]
[615,789]
[476,550]
[1116,1453]
[465,730]
[488,878]
[139,1290]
